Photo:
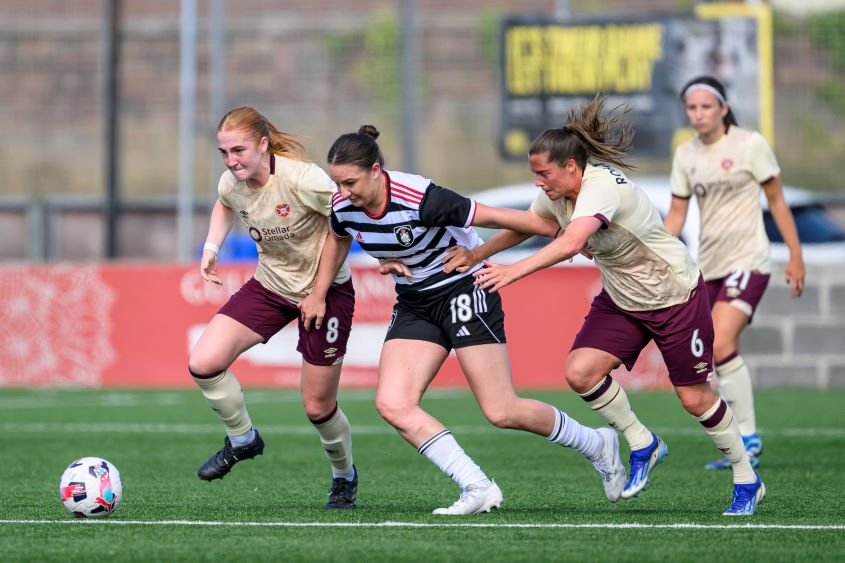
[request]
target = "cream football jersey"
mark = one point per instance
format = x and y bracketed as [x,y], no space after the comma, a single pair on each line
[725,177]
[642,266]
[288,218]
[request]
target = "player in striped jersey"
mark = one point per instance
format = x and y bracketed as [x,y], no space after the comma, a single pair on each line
[409,223]
[725,166]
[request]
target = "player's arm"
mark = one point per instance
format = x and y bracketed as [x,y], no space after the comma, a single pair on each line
[517,226]
[525,222]
[313,307]
[786,226]
[573,241]
[677,216]
[461,258]
[219,226]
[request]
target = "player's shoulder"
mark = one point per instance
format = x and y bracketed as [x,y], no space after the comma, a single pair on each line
[408,181]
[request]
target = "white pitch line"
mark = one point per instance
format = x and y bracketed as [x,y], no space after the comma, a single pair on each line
[299,429]
[633,526]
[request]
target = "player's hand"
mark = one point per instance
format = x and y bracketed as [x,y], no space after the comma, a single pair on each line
[387,266]
[795,275]
[493,277]
[459,258]
[312,309]
[208,267]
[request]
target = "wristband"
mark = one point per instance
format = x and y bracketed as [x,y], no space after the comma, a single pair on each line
[211,246]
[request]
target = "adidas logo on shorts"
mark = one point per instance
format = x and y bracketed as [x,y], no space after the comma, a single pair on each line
[463,331]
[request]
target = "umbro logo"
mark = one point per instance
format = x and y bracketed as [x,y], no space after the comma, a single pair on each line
[463,331]
[701,366]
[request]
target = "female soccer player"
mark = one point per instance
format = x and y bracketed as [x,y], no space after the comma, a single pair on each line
[725,166]
[408,222]
[284,200]
[652,290]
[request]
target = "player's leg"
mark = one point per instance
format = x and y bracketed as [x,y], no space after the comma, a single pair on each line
[252,315]
[487,369]
[734,300]
[684,334]
[323,350]
[609,338]
[223,340]
[400,388]
[718,421]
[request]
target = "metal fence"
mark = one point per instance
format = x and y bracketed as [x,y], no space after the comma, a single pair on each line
[317,69]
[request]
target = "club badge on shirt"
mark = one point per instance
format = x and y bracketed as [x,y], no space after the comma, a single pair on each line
[404,235]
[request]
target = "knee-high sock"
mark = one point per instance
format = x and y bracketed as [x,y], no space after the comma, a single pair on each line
[570,433]
[443,451]
[336,436]
[735,388]
[610,401]
[223,393]
[720,424]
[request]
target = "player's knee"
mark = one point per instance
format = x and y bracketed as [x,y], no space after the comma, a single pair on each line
[391,410]
[204,365]
[581,376]
[316,409]
[697,400]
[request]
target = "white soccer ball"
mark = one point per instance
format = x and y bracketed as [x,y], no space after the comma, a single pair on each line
[91,488]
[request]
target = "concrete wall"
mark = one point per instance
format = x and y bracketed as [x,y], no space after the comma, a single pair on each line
[799,342]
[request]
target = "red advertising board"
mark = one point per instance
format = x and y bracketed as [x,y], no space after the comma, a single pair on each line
[100,325]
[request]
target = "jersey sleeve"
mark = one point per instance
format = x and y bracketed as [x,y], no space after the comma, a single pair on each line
[316,189]
[337,228]
[600,200]
[542,206]
[224,189]
[678,178]
[761,158]
[444,208]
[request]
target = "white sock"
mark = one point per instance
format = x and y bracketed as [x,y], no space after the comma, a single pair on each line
[443,451]
[570,433]
[223,393]
[720,424]
[610,401]
[336,437]
[735,389]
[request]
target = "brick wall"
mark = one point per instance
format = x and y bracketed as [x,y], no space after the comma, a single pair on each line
[799,342]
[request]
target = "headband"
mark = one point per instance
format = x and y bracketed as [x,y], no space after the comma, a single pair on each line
[706,87]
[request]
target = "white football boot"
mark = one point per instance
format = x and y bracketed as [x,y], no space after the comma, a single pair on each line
[610,466]
[474,500]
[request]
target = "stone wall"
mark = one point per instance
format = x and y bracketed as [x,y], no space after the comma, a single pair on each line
[799,342]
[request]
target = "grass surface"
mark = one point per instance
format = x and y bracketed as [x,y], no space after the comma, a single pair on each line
[270,508]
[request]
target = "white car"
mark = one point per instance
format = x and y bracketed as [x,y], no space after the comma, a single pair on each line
[822,237]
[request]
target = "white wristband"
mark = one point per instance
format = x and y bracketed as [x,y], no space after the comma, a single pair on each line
[211,246]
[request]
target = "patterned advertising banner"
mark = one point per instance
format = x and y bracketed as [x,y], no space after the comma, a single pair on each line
[134,325]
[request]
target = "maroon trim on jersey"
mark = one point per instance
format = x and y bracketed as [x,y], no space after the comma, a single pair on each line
[683,197]
[604,222]
[769,179]
[717,416]
[272,163]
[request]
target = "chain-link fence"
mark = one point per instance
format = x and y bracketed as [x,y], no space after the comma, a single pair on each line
[316,69]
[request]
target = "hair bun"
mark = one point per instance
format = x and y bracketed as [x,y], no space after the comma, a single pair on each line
[369,130]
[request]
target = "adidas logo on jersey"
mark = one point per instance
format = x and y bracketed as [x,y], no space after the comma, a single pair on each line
[463,331]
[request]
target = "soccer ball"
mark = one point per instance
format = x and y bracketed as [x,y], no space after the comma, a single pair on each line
[91,488]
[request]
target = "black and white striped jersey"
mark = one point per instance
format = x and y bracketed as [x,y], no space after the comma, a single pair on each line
[420,221]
